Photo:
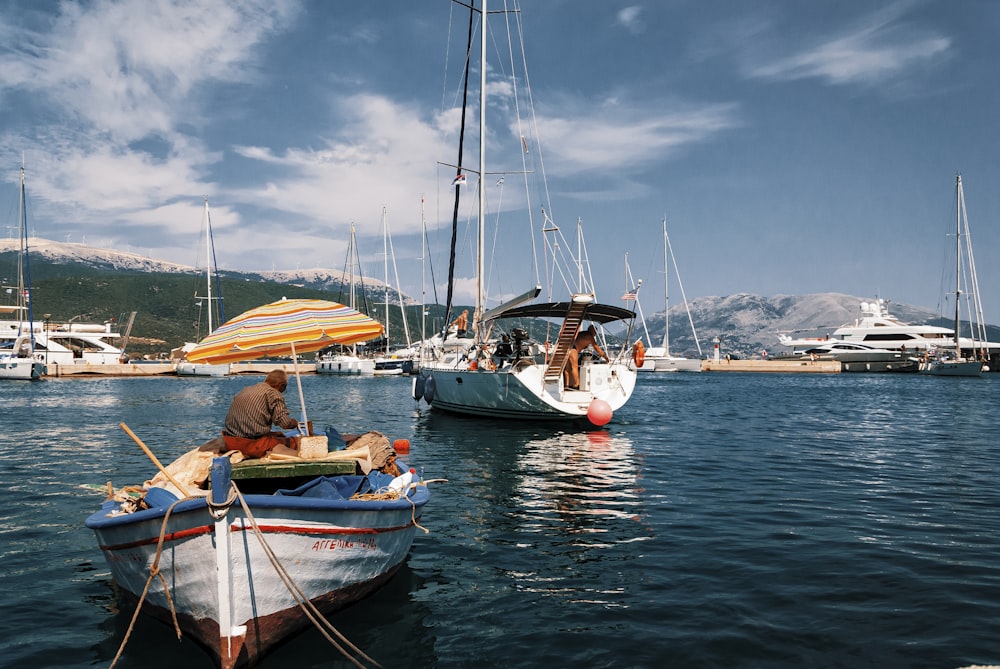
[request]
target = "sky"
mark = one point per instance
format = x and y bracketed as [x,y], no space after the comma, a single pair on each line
[793,147]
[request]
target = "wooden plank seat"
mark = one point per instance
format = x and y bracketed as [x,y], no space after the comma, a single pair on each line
[255,469]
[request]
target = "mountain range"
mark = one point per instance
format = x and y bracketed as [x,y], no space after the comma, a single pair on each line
[72,280]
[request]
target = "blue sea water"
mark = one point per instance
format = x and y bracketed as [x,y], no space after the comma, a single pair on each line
[721,519]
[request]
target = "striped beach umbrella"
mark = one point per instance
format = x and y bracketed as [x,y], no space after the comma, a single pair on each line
[285,328]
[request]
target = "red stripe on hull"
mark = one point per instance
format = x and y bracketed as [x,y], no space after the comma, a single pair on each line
[266,529]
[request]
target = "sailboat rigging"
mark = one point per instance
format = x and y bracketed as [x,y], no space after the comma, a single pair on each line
[20,362]
[473,376]
[340,360]
[967,359]
[212,304]
[659,358]
[402,361]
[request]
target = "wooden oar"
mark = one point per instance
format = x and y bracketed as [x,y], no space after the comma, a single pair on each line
[153,458]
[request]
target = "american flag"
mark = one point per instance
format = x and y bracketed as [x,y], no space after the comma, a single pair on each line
[630,295]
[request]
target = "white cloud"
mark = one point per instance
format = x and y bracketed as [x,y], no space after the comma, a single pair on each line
[629,18]
[880,49]
[127,69]
[121,88]
[624,138]
[382,152]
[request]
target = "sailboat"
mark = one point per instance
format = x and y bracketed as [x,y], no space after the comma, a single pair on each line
[659,358]
[20,362]
[401,361]
[214,307]
[964,359]
[346,361]
[476,376]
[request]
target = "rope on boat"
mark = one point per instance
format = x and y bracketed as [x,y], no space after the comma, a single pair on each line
[154,571]
[393,495]
[218,510]
[325,627]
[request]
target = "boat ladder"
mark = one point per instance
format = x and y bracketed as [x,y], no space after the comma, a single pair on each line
[567,335]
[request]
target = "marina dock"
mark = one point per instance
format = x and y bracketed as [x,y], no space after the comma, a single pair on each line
[780,366]
[167,368]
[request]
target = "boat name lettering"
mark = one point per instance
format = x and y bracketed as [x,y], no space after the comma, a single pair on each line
[365,543]
[124,557]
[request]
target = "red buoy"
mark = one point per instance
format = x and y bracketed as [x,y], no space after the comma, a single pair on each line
[599,412]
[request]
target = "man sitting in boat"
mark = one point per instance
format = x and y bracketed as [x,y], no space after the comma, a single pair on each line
[584,339]
[504,349]
[253,412]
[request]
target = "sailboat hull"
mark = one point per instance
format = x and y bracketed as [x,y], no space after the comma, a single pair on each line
[345,365]
[657,361]
[953,368]
[185,368]
[522,392]
[24,369]
[670,364]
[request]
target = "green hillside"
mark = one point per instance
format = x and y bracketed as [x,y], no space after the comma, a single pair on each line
[165,306]
[166,310]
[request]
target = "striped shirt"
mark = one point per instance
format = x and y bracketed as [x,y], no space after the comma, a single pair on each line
[255,409]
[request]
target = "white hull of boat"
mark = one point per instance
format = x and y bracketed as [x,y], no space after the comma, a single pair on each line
[395,366]
[68,343]
[336,552]
[520,391]
[345,365]
[952,368]
[25,369]
[655,362]
[185,368]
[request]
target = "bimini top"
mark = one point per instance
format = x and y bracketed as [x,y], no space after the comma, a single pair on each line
[600,313]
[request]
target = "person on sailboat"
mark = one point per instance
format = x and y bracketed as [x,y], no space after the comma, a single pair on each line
[584,339]
[504,349]
[254,410]
[461,323]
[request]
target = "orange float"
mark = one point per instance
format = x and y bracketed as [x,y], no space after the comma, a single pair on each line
[638,354]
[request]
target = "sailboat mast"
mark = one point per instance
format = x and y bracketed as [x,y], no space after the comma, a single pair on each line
[666,292]
[385,257]
[423,260]
[21,301]
[481,244]
[208,265]
[458,172]
[24,269]
[352,254]
[958,258]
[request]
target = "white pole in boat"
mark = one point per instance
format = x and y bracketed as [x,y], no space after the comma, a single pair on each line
[302,398]
[221,474]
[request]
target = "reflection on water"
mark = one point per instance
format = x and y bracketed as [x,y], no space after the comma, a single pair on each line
[570,478]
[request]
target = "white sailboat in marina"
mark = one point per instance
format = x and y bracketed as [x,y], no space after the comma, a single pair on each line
[659,358]
[962,358]
[21,361]
[213,304]
[346,361]
[472,376]
[404,360]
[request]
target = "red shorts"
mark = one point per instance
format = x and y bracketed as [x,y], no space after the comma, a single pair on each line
[257,448]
